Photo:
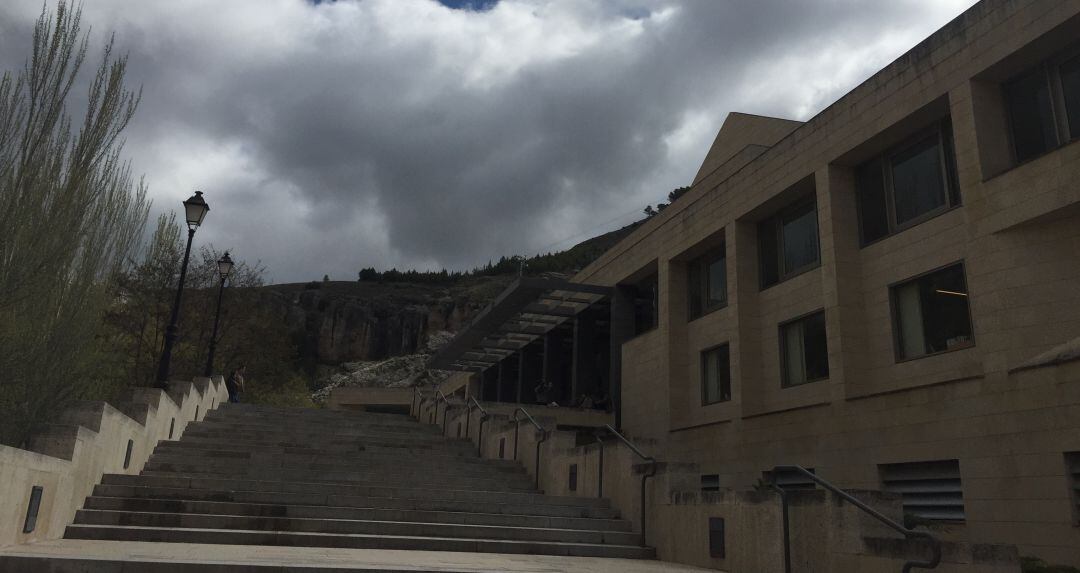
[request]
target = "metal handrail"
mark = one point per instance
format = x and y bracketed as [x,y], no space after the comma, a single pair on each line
[483,418]
[517,426]
[600,470]
[935,543]
[644,477]
[440,397]
[418,392]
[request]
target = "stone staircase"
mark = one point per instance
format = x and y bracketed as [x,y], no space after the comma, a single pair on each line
[264,476]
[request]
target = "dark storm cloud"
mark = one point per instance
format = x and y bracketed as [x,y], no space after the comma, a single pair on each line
[403,133]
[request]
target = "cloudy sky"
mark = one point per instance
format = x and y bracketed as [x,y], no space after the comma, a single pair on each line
[334,135]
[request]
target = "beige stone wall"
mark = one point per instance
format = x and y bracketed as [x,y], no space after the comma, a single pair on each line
[1017,232]
[68,458]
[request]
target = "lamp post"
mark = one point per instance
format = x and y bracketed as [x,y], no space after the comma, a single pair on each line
[224,266]
[195,209]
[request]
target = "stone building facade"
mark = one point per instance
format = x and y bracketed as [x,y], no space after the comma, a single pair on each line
[887,294]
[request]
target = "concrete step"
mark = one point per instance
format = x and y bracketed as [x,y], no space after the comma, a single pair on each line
[322,431]
[381,503]
[384,498]
[357,462]
[317,439]
[518,482]
[315,482]
[356,513]
[241,467]
[79,556]
[346,420]
[305,476]
[324,445]
[353,541]
[350,527]
[322,450]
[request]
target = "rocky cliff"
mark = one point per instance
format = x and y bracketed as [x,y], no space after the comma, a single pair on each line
[336,322]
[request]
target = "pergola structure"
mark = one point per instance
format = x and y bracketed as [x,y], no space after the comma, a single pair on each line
[538,330]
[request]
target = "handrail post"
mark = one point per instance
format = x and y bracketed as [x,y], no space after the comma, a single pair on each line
[935,543]
[600,470]
[544,433]
[480,436]
[483,418]
[644,478]
[468,417]
[517,428]
[537,462]
[786,527]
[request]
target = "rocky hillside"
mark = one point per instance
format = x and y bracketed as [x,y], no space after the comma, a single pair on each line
[359,322]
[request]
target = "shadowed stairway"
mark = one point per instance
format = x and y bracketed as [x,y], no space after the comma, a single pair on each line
[260,476]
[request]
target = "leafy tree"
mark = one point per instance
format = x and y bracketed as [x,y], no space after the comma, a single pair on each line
[71,215]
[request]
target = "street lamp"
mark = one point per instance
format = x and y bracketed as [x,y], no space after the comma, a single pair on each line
[195,209]
[224,266]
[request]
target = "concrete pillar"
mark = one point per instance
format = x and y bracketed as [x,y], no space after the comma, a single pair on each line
[499,380]
[622,329]
[583,373]
[523,363]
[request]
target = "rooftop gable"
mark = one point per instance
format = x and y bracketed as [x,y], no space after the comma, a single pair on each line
[739,131]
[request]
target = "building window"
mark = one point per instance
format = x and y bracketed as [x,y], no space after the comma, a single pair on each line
[707,284]
[804,351]
[1043,106]
[717,546]
[1072,469]
[788,243]
[646,302]
[572,479]
[716,375]
[930,490]
[931,313]
[907,185]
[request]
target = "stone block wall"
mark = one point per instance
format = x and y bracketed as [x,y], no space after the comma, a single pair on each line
[67,459]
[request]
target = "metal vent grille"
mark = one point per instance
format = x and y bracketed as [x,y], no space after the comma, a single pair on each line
[931,490]
[710,482]
[790,480]
[1072,466]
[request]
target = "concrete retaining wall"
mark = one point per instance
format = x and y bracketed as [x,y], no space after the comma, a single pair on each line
[68,458]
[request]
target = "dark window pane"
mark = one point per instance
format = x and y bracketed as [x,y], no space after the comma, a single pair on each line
[917,179]
[645,301]
[873,213]
[805,350]
[768,252]
[694,281]
[932,313]
[946,321]
[716,375]
[1070,86]
[1031,116]
[953,177]
[817,349]
[716,291]
[800,235]
[717,545]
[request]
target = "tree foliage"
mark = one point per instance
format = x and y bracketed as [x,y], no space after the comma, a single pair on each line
[71,216]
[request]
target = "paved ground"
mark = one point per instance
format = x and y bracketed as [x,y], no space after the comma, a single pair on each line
[329,559]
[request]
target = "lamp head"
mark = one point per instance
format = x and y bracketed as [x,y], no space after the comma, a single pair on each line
[195,209]
[225,266]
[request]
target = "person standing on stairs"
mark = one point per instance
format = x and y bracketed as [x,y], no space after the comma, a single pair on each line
[235,383]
